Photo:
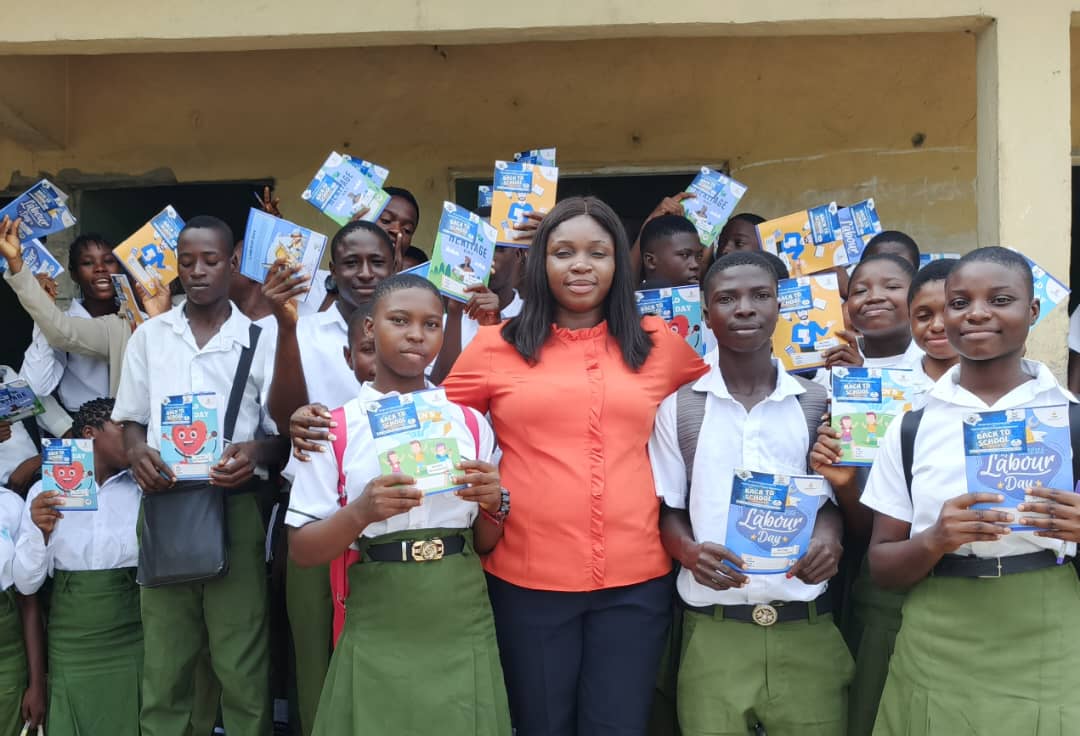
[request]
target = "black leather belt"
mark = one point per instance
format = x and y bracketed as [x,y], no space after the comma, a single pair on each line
[416,550]
[959,566]
[767,614]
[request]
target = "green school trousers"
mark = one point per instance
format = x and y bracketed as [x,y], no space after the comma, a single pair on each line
[311,613]
[792,677]
[229,617]
[12,665]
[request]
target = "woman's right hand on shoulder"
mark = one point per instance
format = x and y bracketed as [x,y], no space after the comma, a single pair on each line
[706,561]
[386,496]
[310,429]
[959,524]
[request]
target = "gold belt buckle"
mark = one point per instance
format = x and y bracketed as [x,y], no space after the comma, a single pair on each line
[427,550]
[764,614]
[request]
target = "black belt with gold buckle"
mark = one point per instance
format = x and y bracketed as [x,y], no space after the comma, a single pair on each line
[959,566]
[767,614]
[418,550]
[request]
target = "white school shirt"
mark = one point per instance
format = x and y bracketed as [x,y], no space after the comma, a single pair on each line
[907,359]
[770,438]
[10,518]
[315,296]
[19,448]
[1074,331]
[104,539]
[314,492]
[79,378]
[938,466]
[323,337]
[163,360]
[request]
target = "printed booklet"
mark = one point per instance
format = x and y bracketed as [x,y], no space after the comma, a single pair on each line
[152,250]
[412,436]
[268,238]
[810,316]
[1049,291]
[807,241]
[344,185]
[519,189]
[859,223]
[67,466]
[865,402]
[18,401]
[125,297]
[771,519]
[715,198]
[38,259]
[43,210]
[464,247]
[680,307]
[538,156]
[1011,451]
[483,196]
[191,441]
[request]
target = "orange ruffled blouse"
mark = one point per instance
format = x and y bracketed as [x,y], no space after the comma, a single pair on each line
[574,429]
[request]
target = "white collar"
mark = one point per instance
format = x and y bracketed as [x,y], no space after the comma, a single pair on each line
[368,391]
[235,328]
[948,388]
[77,309]
[713,381]
[330,316]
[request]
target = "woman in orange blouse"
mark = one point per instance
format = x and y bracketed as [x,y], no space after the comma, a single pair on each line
[579,584]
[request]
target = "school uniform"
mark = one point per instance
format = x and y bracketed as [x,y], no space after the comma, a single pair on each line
[230,612]
[76,378]
[976,655]
[418,652]
[95,642]
[13,672]
[322,337]
[792,676]
[18,448]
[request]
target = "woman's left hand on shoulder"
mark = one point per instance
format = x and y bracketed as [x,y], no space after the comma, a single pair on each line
[820,563]
[1062,509]
[484,485]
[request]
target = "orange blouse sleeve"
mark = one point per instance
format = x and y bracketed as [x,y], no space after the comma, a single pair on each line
[468,383]
[679,363]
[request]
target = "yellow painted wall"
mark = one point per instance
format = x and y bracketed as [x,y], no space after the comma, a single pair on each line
[800,120]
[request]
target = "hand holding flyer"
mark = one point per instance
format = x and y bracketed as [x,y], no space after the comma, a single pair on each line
[67,467]
[865,402]
[345,186]
[807,241]
[42,210]
[464,249]
[811,315]
[191,439]
[519,189]
[680,307]
[715,197]
[269,239]
[151,251]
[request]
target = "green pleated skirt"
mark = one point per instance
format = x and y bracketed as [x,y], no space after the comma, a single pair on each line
[987,657]
[12,665]
[95,654]
[418,653]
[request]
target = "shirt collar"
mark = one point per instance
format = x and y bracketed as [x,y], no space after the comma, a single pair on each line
[713,381]
[234,330]
[331,316]
[76,309]
[948,389]
[369,393]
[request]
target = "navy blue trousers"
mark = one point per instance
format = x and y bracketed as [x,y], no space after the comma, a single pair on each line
[581,664]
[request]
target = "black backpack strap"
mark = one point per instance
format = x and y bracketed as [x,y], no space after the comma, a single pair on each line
[243,370]
[814,402]
[909,427]
[1074,437]
[689,415]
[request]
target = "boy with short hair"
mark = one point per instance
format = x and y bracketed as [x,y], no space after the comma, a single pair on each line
[670,252]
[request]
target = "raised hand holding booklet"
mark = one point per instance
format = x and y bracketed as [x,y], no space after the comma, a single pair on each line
[811,313]
[67,466]
[152,250]
[680,307]
[715,198]
[268,239]
[18,401]
[1012,451]
[771,518]
[38,259]
[859,223]
[412,434]
[343,186]
[464,247]
[125,297]
[865,402]
[519,189]
[191,439]
[807,241]
[43,210]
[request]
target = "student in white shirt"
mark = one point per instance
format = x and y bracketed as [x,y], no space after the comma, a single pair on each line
[988,643]
[95,632]
[20,461]
[22,640]
[77,378]
[488,305]
[196,347]
[1074,351]
[757,648]
[409,622]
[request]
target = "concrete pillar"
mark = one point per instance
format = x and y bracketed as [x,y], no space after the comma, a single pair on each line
[1024,149]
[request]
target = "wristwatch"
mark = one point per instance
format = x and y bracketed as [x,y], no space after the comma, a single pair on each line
[499,516]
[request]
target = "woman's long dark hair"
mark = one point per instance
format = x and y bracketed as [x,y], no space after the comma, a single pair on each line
[530,330]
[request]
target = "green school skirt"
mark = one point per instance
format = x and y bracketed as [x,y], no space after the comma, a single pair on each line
[12,665]
[872,626]
[987,657]
[418,652]
[95,654]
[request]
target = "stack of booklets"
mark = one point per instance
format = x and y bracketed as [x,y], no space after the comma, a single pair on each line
[464,248]
[807,241]
[269,239]
[151,251]
[344,186]
[125,298]
[412,434]
[859,223]
[191,441]
[771,518]
[43,210]
[18,401]
[67,467]
[865,402]
[680,307]
[715,197]
[811,313]
[38,259]
[518,189]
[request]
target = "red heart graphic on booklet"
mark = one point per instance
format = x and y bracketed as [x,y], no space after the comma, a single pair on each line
[69,477]
[189,438]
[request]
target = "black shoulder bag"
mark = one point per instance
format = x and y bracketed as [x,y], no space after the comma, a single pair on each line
[184,531]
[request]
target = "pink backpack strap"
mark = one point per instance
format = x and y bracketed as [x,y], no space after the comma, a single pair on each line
[473,426]
[339,567]
[341,441]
